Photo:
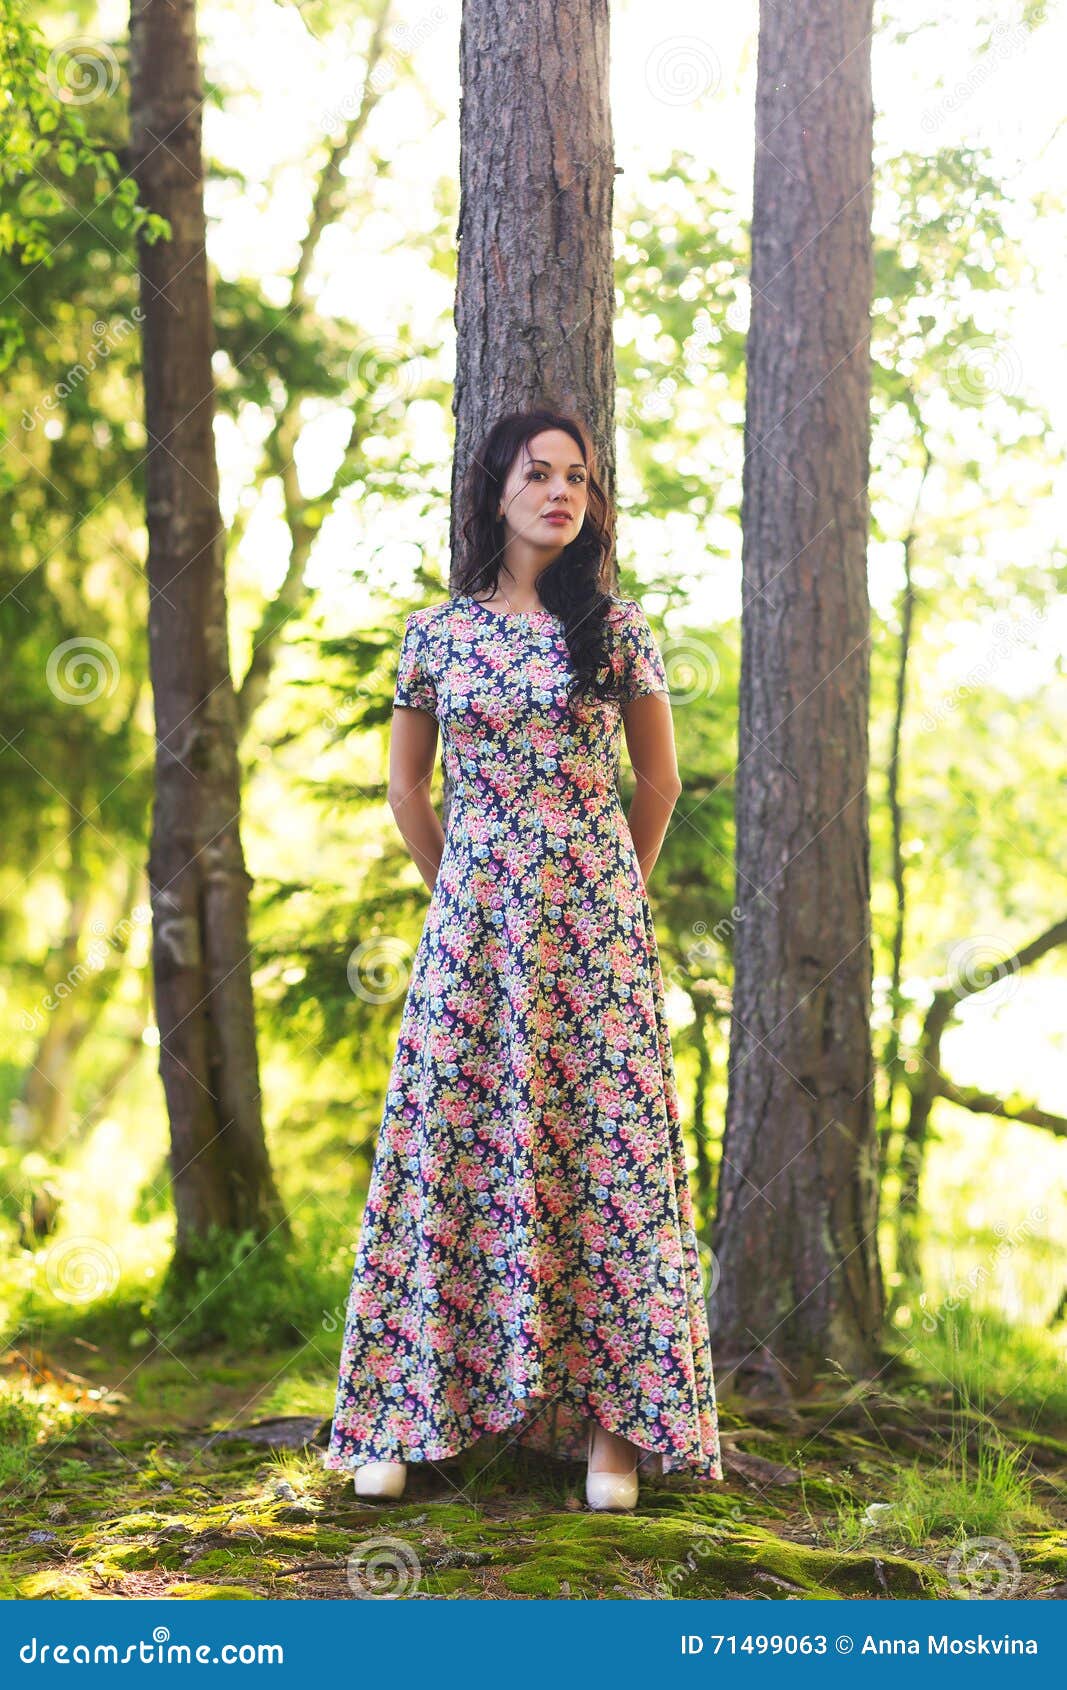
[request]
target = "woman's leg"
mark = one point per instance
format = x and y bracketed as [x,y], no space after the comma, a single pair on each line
[612,1454]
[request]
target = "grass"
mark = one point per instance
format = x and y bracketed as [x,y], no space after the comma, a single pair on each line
[21,1422]
[979,1488]
[991,1360]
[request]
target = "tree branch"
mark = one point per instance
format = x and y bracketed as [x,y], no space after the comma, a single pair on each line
[281,442]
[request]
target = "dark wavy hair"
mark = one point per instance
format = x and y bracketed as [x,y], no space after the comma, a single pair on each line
[576,585]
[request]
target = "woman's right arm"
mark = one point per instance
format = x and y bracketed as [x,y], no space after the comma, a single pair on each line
[412,754]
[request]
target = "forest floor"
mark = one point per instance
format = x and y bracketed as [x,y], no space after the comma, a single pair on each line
[202,1477]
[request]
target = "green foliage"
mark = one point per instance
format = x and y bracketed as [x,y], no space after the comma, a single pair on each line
[20,1420]
[679,356]
[232,1289]
[45,139]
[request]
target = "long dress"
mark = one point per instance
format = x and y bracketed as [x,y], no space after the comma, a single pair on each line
[527,1256]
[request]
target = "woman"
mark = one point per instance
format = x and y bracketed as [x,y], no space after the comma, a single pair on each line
[527,1260]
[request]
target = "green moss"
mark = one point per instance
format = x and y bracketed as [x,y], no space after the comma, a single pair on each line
[224,1561]
[56,1585]
[582,1565]
[670,1557]
[332,1542]
[1047,1553]
[114,1559]
[451,1581]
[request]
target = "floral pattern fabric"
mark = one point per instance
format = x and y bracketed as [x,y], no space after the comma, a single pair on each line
[527,1257]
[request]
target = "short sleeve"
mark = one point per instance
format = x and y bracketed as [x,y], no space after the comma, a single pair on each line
[415,686]
[642,668]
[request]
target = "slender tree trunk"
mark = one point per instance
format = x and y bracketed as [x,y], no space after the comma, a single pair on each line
[798,1194]
[82,981]
[701,1021]
[894,1079]
[535,297]
[220,1170]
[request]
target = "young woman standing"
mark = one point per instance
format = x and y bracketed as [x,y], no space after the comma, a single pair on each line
[527,1259]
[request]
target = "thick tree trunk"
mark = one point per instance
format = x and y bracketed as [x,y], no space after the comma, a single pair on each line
[535,297]
[199,886]
[796,1229]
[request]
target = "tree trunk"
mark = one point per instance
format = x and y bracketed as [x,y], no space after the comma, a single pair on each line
[535,297]
[199,886]
[894,1078]
[701,1021]
[535,300]
[796,1227]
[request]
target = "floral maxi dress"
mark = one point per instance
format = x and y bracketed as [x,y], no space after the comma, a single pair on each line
[527,1257]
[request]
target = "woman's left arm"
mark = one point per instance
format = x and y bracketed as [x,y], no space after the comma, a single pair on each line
[649,728]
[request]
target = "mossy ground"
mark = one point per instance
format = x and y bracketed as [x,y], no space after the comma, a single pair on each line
[158,1477]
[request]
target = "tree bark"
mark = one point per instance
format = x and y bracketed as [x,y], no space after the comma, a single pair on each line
[220,1169]
[798,1206]
[535,299]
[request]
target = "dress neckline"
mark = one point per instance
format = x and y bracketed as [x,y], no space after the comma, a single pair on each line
[509,615]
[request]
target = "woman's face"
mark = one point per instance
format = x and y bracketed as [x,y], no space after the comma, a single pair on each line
[547,480]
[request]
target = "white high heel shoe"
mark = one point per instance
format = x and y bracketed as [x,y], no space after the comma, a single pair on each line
[385,1479]
[608,1490]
